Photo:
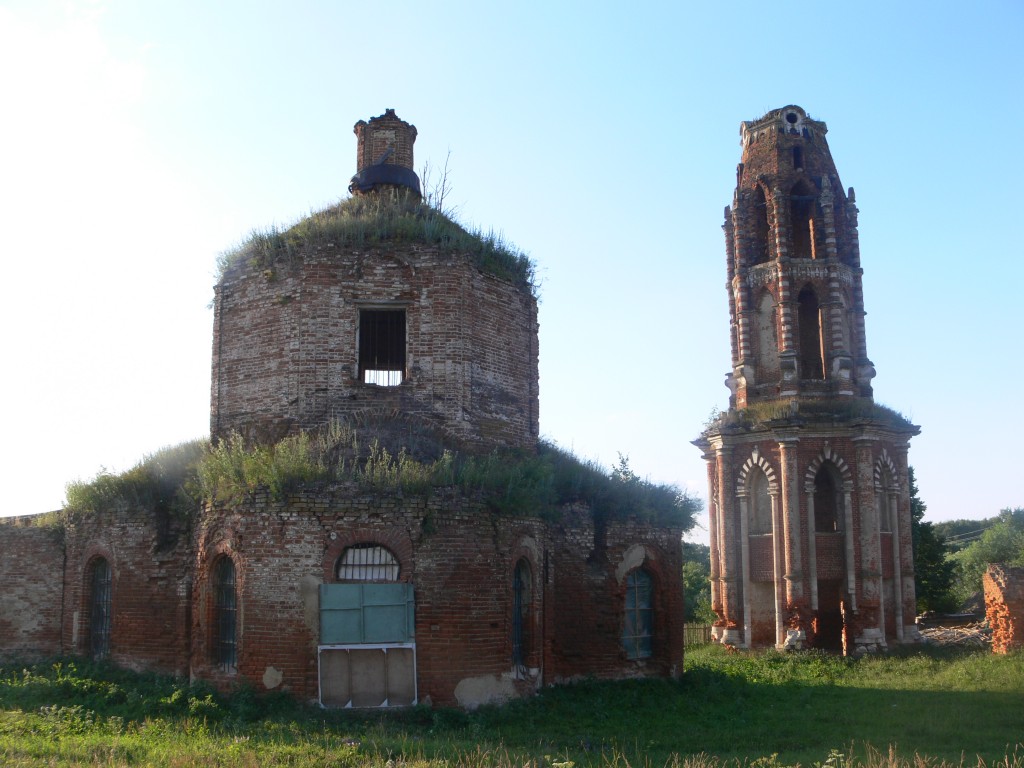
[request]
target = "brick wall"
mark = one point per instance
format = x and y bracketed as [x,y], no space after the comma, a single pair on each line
[31,571]
[149,560]
[461,559]
[376,136]
[285,347]
[1004,606]
[855,453]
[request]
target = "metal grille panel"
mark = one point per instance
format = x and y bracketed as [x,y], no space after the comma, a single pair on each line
[99,609]
[226,609]
[637,632]
[367,562]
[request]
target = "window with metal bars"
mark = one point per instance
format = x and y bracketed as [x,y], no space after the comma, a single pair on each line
[639,624]
[99,608]
[367,562]
[382,346]
[225,609]
[522,600]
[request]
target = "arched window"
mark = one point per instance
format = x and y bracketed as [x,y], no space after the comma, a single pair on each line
[767,340]
[367,562]
[759,244]
[225,611]
[522,603]
[882,510]
[760,502]
[802,201]
[882,490]
[811,366]
[99,608]
[827,504]
[639,625]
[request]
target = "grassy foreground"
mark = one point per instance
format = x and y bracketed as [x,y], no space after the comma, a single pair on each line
[927,708]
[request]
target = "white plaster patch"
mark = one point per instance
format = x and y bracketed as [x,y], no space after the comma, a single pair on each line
[272,678]
[309,591]
[473,692]
[632,559]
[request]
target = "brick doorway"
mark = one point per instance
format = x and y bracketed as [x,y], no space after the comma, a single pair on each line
[828,624]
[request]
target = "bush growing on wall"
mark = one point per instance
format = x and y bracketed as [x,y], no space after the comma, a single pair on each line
[523,483]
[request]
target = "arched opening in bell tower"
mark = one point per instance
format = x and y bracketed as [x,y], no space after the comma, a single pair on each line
[828,527]
[767,340]
[827,501]
[802,200]
[759,239]
[809,318]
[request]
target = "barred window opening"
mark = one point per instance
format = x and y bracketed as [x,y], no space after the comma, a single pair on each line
[226,613]
[367,562]
[522,599]
[382,346]
[638,629]
[99,609]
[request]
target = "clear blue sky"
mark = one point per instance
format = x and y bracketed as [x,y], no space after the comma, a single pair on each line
[139,139]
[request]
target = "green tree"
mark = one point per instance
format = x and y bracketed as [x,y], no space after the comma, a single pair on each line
[933,570]
[1003,542]
[697,583]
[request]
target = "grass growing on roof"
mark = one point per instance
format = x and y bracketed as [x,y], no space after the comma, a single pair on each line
[511,482]
[383,218]
[787,410]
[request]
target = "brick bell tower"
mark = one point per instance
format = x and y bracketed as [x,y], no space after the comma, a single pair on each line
[809,497]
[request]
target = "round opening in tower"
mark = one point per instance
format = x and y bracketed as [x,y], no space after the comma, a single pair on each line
[791,118]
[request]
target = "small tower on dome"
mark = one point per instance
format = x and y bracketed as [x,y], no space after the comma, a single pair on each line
[808,500]
[414,336]
[384,158]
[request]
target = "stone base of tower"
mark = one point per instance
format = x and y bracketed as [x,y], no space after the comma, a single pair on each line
[810,530]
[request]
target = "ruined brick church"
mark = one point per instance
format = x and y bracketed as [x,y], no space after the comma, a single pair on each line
[809,500]
[347,595]
[354,597]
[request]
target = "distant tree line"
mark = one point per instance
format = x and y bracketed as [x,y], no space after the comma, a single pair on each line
[950,558]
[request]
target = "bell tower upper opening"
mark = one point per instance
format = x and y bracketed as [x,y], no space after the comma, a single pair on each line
[796,302]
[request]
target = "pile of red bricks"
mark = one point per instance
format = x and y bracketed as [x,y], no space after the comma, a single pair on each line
[1004,606]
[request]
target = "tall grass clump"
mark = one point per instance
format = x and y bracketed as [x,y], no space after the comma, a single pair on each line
[165,481]
[383,218]
[794,411]
[513,482]
[539,483]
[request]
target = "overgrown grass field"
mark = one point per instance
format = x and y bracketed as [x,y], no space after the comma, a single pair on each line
[926,708]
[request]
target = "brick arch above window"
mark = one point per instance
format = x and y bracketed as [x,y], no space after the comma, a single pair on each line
[395,541]
[646,555]
[94,552]
[830,456]
[746,472]
[886,474]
